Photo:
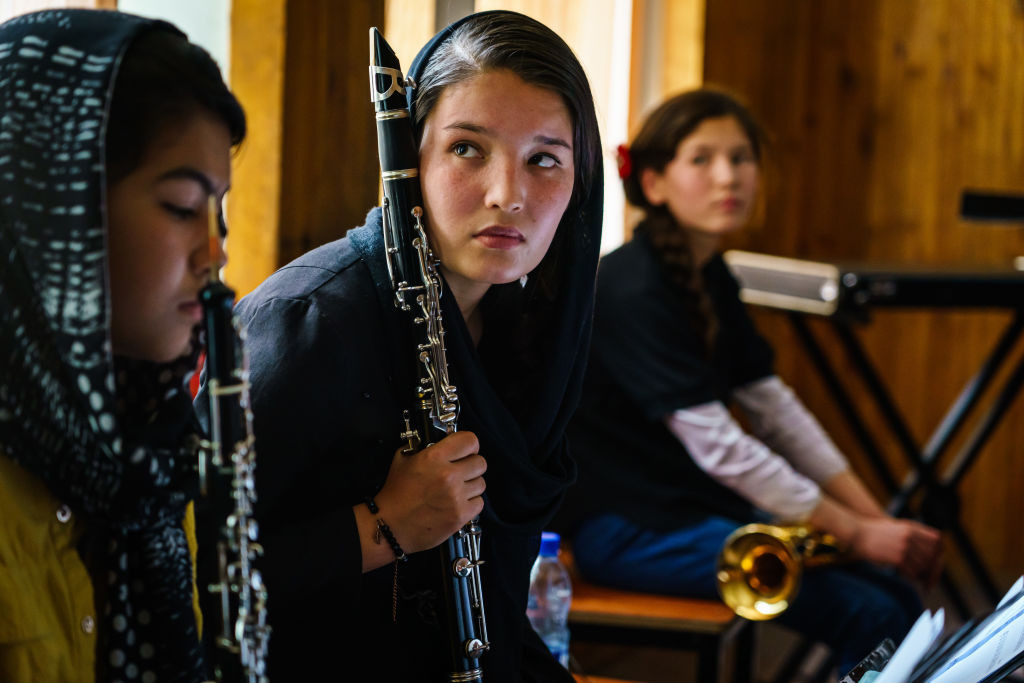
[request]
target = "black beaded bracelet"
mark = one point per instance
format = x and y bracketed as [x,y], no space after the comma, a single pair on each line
[384,530]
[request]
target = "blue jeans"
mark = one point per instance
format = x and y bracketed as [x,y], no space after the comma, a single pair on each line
[850,607]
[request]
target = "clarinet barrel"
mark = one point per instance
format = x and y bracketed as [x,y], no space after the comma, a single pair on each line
[417,288]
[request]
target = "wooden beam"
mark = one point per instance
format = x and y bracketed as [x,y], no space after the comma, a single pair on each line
[683,42]
[408,25]
[257,78]
[330,164]
[308,169]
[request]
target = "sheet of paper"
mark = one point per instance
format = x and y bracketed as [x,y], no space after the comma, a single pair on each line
[994,646]
[921,636]
[1016,588]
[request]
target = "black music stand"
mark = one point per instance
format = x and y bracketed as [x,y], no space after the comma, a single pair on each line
[940,505]
[844,297]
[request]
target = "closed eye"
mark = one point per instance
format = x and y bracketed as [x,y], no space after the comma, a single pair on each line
[182,213]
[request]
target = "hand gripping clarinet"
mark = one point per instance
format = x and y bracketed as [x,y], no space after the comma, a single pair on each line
[413,271]
[231,589]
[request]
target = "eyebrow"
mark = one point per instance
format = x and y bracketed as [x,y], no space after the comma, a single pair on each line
[706,146]
[190,173]
[474,128]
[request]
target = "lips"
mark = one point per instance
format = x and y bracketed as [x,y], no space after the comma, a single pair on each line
[730,204]
[499,237]
[192,309]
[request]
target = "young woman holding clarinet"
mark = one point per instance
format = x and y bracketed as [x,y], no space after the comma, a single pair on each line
[509,166]
[114,133]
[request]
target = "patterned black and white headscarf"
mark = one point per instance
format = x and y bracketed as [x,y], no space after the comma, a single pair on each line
[110,437]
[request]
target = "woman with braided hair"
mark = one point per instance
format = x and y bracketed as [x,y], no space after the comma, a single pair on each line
[666,472]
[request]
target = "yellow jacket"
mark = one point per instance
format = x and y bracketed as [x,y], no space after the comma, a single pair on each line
[48,619]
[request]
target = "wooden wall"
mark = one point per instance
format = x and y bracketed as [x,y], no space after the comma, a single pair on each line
[881,113]
[307,171]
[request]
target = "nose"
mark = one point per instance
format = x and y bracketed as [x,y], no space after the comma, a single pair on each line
[208,250]
[506,188]
[724,170]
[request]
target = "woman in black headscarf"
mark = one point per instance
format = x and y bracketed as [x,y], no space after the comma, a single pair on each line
[114,131]
[511,175]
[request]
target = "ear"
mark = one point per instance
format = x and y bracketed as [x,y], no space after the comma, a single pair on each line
[653,185]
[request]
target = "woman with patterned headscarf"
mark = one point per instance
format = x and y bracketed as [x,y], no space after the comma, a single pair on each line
[114,133]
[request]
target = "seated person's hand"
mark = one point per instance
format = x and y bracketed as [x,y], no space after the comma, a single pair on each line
[914,549]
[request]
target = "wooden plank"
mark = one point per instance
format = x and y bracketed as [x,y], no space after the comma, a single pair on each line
[408,25]
[682,25]
[330,169]
[257,79]
[599,605]
[880,114]
[609,607]
[308,169]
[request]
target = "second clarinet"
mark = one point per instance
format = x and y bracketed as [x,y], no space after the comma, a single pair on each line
[235,600]
[417,287]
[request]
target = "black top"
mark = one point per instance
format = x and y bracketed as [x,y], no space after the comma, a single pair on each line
[647,360]
[330,379]
[333,368]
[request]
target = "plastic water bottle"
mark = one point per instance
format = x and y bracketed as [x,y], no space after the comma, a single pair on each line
[550,595]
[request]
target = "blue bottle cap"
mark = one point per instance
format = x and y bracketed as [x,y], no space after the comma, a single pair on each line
[549,542]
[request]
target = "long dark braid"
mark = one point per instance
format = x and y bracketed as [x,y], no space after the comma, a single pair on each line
[673,250]
[653,147]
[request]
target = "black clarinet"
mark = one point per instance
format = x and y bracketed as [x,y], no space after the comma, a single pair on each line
[417,288]
[232,594]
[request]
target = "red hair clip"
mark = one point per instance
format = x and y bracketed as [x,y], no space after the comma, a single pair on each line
[624,160]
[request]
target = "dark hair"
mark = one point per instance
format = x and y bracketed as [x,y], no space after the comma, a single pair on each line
[653,147]
[163,79]
[535,53]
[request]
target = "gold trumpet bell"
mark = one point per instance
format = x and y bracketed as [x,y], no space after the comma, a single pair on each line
[759,570]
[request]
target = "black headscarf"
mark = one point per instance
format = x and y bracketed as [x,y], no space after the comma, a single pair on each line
[527,404]
[110,437]
[518,389]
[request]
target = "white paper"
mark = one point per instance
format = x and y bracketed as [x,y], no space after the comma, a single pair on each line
[997,644]
[1017,587]
[921,636]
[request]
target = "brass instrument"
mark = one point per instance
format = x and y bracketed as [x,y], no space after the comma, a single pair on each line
[760,566]
[232,594]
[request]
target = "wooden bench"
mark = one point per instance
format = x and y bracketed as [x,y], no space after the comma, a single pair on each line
[607,615]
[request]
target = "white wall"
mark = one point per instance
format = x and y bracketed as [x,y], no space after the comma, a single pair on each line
[207,22]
